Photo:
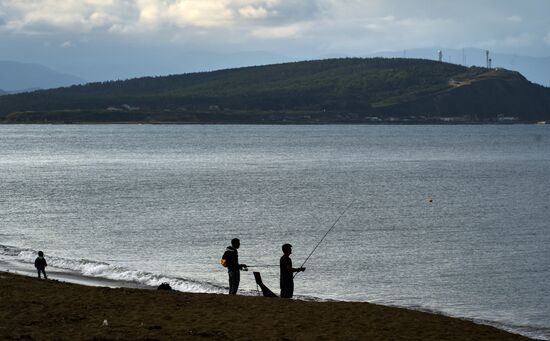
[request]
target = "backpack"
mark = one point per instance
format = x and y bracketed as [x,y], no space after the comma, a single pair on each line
[223,261]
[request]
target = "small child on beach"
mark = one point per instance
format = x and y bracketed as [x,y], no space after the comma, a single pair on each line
[40,264]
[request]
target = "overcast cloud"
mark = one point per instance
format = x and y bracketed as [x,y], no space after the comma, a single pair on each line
[76,32]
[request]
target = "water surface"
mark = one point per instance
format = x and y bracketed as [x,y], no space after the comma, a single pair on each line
[148,203]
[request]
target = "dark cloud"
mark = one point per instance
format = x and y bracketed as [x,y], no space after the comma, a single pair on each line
[114,37]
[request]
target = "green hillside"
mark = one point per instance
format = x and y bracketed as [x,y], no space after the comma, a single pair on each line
[335,90]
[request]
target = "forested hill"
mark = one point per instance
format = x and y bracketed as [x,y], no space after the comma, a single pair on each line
[324,91]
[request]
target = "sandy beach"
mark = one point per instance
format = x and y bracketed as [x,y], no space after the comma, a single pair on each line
[35,309]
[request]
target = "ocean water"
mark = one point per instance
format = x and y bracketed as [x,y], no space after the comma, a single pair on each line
[451,219]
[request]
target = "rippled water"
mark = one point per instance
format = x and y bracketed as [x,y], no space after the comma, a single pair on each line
[149,203]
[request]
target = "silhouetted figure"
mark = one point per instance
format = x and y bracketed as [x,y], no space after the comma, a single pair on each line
[164,286]
[231,257]
[40,264]
[287,272]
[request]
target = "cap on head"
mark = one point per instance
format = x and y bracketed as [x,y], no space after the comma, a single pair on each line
[40,254]
[286,248]
[235,242]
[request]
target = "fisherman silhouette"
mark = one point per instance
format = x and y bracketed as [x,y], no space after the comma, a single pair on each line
[231,257]
[287,277]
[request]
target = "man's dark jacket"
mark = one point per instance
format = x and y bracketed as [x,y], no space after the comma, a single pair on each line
[232,258]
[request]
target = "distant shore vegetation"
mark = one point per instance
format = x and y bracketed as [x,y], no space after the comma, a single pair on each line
[350,90]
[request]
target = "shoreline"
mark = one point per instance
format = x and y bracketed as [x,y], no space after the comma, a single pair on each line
[75,277]
[278,123]
[142,313]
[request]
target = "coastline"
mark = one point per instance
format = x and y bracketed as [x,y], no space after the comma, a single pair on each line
[523,314]
[39,309]
[281,123]
[72,277]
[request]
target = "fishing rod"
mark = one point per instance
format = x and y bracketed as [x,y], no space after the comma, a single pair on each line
[328,231]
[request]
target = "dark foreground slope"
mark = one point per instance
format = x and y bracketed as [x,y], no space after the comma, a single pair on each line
[335,90]
[49,310]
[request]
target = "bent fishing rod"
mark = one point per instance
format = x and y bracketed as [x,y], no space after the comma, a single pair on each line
[328,231]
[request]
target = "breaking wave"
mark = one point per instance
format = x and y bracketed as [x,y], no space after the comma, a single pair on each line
[95,269]
[102,270]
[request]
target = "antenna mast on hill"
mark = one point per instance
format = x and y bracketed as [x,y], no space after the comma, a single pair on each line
[440,55]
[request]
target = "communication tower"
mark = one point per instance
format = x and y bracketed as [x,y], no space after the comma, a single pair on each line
[440,55]
[488,60]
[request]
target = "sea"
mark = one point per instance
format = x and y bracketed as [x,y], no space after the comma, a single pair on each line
[452,219]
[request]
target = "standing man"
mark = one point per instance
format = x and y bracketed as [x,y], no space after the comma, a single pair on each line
[287,272]
[231,257]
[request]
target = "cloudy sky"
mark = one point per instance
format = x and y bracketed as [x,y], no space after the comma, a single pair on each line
[98,38]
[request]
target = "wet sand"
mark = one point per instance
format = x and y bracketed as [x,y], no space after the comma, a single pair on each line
[32,309]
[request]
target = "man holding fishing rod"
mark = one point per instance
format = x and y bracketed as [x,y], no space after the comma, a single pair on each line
[287,272]
[287,276]
[230,260]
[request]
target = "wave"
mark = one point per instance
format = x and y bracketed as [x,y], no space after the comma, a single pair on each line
[95,269]
[102,270]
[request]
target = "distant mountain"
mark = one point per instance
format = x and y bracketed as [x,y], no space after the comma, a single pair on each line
[537,70]
[153,63]
[2,92]
[352,90]
[17,77]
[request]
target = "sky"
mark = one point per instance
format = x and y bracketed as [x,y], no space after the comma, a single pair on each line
[98,39]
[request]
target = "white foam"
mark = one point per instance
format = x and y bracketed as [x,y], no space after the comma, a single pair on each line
[95,269]
[90,268]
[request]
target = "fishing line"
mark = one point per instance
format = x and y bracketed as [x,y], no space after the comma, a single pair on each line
[328,231]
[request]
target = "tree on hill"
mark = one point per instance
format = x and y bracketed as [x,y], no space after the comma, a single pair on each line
[376,86]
